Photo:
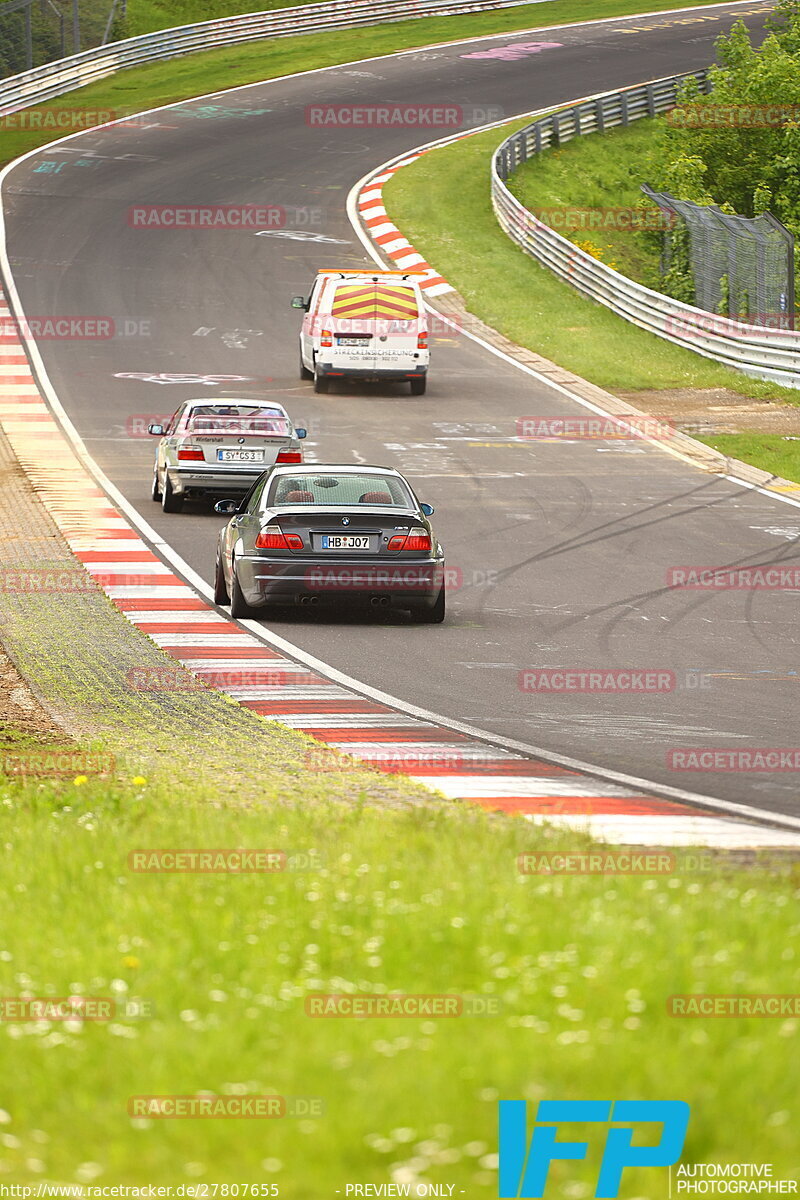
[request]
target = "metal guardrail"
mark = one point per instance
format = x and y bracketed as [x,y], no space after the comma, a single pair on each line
[772,354]
[78,70]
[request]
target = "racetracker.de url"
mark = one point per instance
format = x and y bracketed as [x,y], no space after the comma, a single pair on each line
[87,1191]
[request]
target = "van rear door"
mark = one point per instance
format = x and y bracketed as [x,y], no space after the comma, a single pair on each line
[375,325]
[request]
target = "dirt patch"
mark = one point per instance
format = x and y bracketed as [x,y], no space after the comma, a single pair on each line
[20,711]
[717,410]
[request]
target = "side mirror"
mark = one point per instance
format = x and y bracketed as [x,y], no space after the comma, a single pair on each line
[226,507]
[156,430]
[301,433]
[300,302]
[428,509]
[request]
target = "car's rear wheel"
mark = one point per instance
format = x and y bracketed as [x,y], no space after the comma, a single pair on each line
[424,615]
[418,385]
[220,586]
[170,502]
[304,371]
[155,491]
[321,382]
[239,606]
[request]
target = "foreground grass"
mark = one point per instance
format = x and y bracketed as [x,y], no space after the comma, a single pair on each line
[417,901]
[442,204]
[198,74]
[769,451]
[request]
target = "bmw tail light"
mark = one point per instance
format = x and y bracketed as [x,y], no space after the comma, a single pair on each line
[272,537]
[418,539]
[289,456]
[190,454]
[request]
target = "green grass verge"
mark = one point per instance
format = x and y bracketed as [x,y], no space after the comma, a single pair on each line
[769,451]
[422,901]
[442,204]
[198,74]
[598,174]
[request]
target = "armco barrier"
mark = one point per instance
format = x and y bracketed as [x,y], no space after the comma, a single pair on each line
[55,78]
[772,354]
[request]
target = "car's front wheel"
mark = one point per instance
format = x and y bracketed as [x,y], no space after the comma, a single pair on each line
[155,491]
[220,586]
[304,371]
[425,615]
[170,501]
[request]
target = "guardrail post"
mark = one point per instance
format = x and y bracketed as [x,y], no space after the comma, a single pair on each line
[651,100]
[576,116]
[555,130]
[623,109]
[600,115]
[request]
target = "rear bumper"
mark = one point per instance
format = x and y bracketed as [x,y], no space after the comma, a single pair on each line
[196,478]
[335,371]
[280,581]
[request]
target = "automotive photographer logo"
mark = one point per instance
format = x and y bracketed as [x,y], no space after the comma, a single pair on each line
[524,1166]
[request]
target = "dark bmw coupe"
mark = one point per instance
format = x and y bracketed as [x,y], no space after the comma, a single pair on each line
[313,533]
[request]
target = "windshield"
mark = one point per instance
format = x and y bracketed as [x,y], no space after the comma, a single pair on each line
[230,419]
[334,489]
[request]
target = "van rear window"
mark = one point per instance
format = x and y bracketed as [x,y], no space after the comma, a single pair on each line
[371,302]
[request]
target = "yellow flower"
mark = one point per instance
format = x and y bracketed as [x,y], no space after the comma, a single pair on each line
[131,961]
[139,780]
[79,779]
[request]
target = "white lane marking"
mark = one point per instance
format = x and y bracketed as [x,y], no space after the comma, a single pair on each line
[648,830]
[509,787]
[345,720]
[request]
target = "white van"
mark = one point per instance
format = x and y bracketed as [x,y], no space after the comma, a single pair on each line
[364,325]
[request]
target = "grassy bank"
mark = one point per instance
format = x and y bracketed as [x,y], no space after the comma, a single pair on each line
[419,901]
[448,190]
[590,179]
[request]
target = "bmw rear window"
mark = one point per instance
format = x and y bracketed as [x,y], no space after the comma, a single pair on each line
[334,489]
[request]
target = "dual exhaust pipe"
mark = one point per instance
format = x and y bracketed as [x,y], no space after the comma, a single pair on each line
[375,601]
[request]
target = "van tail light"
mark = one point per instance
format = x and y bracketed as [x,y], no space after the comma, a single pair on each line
[190,454]
[417,539]
[272,537]
[289,456]
[422,340]
[326,338]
